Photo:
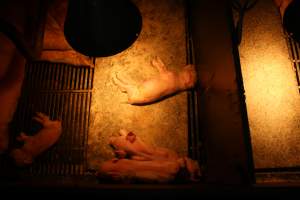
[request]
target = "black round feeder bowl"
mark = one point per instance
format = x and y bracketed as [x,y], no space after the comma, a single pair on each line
[100,28]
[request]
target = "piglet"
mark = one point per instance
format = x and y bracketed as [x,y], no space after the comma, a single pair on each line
[165,84]
[193,169]
[37,144]
[127,144]
[126,170]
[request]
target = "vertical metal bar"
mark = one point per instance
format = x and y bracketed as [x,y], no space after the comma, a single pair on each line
[70,139]
[57,76]
[50,77]
[51,98]
[46,79]
[53,149]
[92,78]
[54,77]
[73,79]
[87,127]
[84,79]
[62,106]
[42,108]
[81,131]
[38,77]
[44,69]
[84,129]
[76,133]
[67,123]
[88,78]
[43,99]
[61,78]
[77,79]
[68,130]
[69,77]
[61,139]
[293,48]
[74,124]
[296,50]
[58,149]
[64,83]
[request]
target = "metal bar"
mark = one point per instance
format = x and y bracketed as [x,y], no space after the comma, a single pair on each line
[71,137]
[84,129]
[61,78]
[73,86]
[87,127]
[81,135]
[84,79]
[67,132]
[75,133]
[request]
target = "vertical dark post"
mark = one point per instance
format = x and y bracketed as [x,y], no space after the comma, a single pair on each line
[221,107]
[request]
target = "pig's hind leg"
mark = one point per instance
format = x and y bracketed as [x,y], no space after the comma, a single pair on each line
[124,87]
[159,65]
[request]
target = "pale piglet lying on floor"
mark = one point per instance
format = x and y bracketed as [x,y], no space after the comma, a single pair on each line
[139,161]
[37,144]
[165,84]
[127,144]
[133,170]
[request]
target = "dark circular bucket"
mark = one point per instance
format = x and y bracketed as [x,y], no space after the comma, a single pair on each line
[100,28]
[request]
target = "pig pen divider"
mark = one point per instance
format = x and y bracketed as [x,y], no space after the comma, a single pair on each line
[64,92]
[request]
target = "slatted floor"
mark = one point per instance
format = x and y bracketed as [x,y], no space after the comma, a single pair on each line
[294,50]
[62,92]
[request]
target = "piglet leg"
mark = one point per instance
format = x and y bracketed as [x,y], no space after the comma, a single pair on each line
[164,84]
[126,170]
[37,144]
[129,144]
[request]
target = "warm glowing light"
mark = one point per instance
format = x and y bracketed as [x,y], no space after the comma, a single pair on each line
[272,98]
[161,124]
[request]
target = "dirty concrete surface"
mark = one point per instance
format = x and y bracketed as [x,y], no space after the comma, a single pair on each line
[272,97]
[161,124]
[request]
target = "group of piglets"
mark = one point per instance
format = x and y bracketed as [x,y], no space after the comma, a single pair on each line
[137,161]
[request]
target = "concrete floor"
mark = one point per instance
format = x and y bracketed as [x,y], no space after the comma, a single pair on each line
[162,124]
[272,96]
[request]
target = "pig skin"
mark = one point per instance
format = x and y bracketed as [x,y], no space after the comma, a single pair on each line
[128,145]
[126,170]
[137,149]
[165,84]
[37,144]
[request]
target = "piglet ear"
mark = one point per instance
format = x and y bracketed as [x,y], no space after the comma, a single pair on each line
[131,137]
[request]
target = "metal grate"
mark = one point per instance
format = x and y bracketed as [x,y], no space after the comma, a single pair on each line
[294,50]
[63,92]
[195,137]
